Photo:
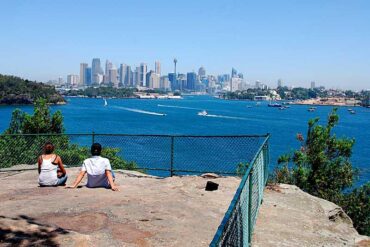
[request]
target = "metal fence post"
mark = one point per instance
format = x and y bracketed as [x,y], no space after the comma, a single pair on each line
[172,153]
[93,137]
[250,207]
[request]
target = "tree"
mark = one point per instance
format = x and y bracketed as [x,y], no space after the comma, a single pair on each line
[41,122]
[322,167]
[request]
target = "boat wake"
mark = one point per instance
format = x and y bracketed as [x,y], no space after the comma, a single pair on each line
[180,107]
[141,111]
[227,117]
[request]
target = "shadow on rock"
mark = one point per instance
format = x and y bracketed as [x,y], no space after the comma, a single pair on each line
[26,231]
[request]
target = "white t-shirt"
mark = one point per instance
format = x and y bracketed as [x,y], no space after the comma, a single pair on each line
[95,168]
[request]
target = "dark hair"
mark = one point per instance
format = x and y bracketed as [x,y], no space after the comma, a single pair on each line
[96,149]
[48,148]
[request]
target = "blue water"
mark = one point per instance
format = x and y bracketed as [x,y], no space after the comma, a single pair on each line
[134,116]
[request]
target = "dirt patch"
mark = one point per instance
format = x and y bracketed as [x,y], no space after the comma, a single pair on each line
[86,222]
[128,233]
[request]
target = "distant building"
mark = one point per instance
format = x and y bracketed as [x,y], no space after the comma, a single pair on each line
[128,77]
[313,85]
[234,73]
[258,84]
[113,76]
[235,84]
[240,75]
[202,72]
[108,66]
[96,70]
[153,80]
[122,74]
[279,83]
[165,83]
[191,80]
[83,67]
[158,68]
[88,77]
[73,80]
[173,81]
[142,75]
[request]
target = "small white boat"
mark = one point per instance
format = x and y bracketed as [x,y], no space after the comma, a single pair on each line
[312,109]
[202,113]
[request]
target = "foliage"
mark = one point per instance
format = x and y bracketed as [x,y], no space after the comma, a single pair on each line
[322,168]
[18,149]
[15,90]
[357,206]
[107,92]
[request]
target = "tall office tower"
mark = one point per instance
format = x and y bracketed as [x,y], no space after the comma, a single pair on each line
[108,66]
[113,76]
[142,76]
[165,83]
[96,70]
[122,73]
[202,72]
[83,67]
[88,76]
[153,79]
[313,85]
[240,75]
[235,84]
[158,68]
[234,72]
[128,76]
[279,83]
[136,77]
[191,79]
[181,81]
[172,79]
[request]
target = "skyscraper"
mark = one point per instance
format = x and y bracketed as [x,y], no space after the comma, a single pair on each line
[108,66]
[73,80]
[191,78]
[122,73]
[128,76]
[96,70]
[142,75]
[83,67]
[279,83]
[158,68]
[234,73]
[202,72]
[88,78]
[113,76]
[153,79]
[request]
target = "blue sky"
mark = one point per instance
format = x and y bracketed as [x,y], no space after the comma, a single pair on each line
[298,41]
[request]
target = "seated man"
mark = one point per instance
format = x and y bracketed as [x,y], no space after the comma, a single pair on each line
[98,169]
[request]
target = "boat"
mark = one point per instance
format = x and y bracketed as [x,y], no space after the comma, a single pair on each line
[352,112]
[274,105]
[311,109]
[105,102]
[350,109]
[203,113]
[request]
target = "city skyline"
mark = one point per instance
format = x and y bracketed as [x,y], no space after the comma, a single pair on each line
[321,41]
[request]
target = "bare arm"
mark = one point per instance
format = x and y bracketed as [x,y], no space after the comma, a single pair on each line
[78,179]
[60,165]
[39,162]
[108,173]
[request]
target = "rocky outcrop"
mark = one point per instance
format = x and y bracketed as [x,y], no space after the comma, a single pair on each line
[290,217]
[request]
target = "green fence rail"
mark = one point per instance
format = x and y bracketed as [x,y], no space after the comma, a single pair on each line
[238,223]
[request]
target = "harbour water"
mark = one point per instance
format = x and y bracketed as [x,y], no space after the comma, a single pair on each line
[163,116]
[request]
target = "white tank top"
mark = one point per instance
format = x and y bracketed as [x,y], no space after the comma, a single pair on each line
[48,174]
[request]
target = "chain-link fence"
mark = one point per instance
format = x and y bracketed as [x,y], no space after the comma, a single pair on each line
[162,155]
[237,225]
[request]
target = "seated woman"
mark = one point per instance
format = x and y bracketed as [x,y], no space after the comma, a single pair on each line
[98,169]
[50,167]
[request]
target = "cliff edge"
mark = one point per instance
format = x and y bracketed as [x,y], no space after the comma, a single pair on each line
[290,217]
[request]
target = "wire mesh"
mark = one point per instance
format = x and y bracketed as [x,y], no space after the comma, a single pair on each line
[237,225]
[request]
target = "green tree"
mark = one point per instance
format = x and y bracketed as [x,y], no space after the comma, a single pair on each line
[322,167]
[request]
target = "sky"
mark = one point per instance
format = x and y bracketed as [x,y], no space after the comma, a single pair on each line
[298,41]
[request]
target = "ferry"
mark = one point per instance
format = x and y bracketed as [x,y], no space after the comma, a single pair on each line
[274,105]
[203,113]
